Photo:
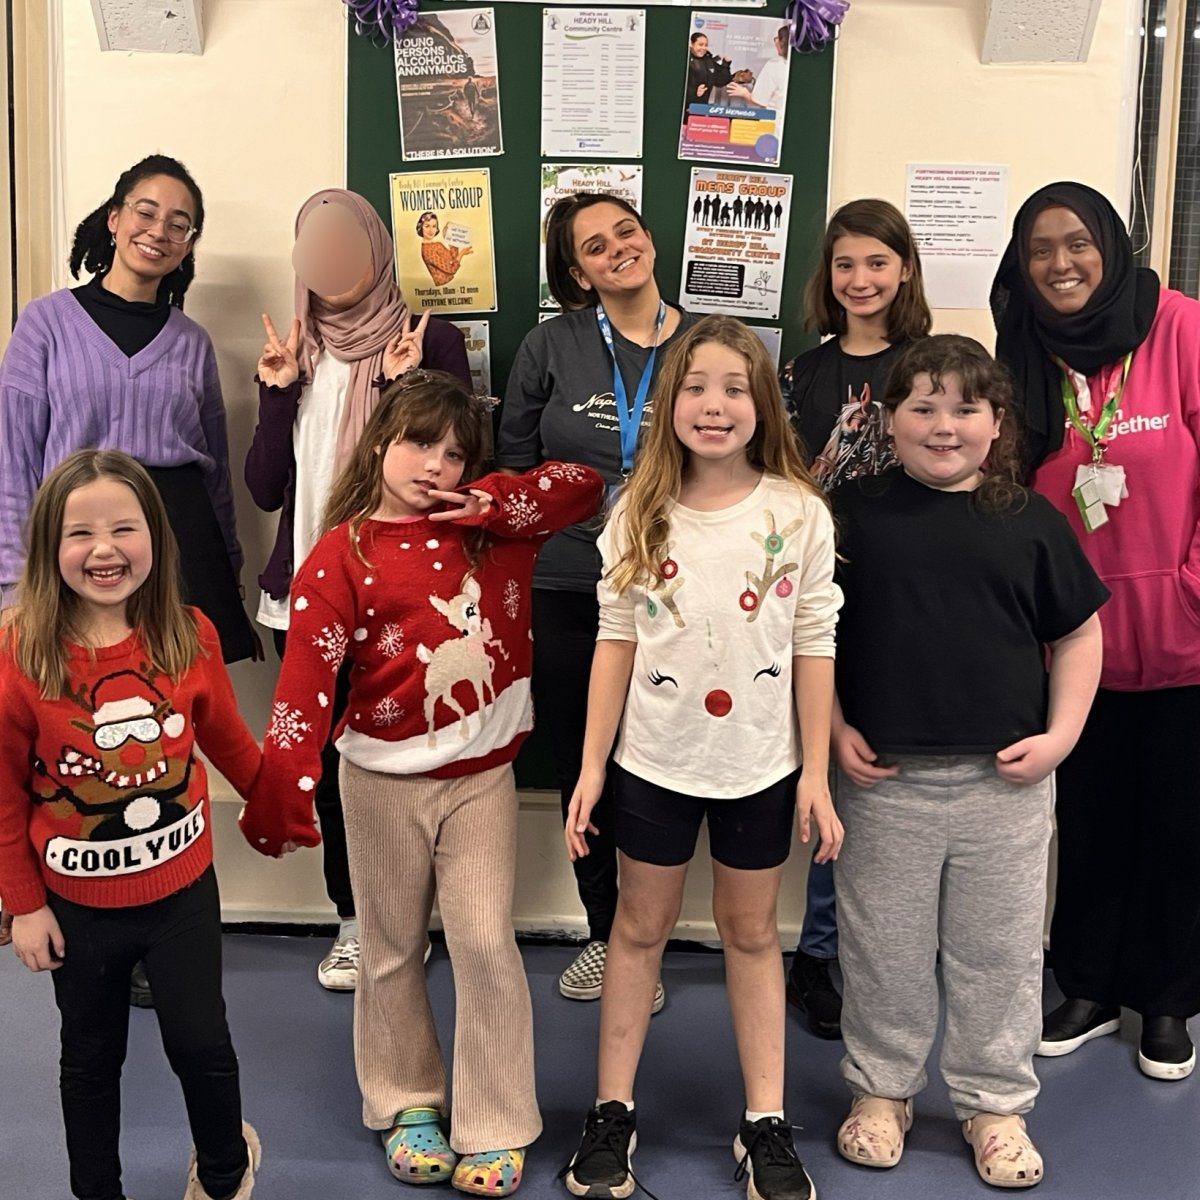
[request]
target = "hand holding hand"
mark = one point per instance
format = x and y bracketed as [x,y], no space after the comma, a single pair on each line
[1030,760]
[279,367]
[405,352]
[467,504]
[857,758]
[38,940]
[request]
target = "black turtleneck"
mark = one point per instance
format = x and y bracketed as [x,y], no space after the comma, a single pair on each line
[131,324]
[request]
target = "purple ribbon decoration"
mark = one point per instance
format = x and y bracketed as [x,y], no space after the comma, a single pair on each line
[382,20]
[815,22]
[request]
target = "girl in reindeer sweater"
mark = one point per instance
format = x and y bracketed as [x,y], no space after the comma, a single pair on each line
[427,591]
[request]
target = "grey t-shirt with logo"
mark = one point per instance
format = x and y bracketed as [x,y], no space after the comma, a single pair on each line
[559,404]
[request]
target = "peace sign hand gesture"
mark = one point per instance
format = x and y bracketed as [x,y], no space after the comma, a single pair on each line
[405,353]
[278,366]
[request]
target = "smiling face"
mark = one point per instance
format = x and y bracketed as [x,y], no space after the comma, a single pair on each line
[414,468]
[141,257]
[941,438]
[699,45]
[1065,264]
[714,415]
[865,275]
[106,552]
[613,254]
[429,226]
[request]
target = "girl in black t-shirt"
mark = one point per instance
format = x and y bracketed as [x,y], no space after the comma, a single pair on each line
[957,582]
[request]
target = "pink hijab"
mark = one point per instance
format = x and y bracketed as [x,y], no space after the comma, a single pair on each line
[359,334]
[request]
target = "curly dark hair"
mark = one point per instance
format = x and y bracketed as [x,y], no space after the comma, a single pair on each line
[92,248]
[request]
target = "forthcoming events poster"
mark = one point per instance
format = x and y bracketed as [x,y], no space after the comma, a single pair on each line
[617,179]
[593,65]
[735,243]
[442,227]
[448,87]
[736,89]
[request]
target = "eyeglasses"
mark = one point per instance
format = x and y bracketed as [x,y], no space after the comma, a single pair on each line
[177,229]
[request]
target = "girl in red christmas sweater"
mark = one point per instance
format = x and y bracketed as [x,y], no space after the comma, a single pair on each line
[107,685]
[427,591]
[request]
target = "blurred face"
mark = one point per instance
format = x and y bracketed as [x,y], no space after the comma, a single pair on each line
[614,255]
[714,414]
[105,553]
[412,469]
[700,46]
[349,298]
[1065,265]
[942,439]
[865,275]
[145,227]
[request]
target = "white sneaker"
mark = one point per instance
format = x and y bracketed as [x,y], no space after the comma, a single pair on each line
[338,970]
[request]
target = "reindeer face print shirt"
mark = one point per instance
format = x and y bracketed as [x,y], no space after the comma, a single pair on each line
[103,799]
[743,590]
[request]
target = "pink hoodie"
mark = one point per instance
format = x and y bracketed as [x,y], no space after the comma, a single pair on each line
[1149,552]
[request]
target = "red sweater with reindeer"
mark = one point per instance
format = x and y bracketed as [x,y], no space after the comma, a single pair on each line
[441,654]
[102,798]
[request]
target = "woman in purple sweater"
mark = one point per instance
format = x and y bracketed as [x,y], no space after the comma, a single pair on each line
[116,365]
[317,387]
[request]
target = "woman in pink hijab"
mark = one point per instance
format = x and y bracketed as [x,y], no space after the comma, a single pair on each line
[351,334]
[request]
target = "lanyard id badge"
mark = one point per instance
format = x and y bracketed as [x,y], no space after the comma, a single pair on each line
[629,416]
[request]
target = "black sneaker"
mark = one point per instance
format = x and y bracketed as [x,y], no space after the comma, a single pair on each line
[1074,1022]
[601,1166]
[810,989]
[139,987]
[767,1160]
[1166,1051]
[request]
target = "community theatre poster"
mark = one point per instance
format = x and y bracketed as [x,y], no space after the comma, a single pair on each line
[736,89]
[448,86]
[442,227]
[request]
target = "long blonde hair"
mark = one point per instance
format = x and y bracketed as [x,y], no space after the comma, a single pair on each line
[658,469]
[48,613]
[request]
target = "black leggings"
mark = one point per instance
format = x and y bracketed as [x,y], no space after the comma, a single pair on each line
[1126,927]
[564,640]
[327,798]
[179,939]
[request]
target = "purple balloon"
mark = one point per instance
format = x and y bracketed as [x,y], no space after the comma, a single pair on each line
[382,20]
[815,22]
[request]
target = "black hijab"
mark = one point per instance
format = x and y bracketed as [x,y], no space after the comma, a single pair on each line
[1114,321]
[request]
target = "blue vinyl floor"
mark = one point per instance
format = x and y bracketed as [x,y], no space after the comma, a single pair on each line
[1107,1132]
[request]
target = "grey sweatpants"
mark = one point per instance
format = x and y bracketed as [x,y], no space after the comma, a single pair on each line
[943,856]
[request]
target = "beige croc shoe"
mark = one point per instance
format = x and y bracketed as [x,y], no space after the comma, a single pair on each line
[195,1189]
[1004,1154]
[873,1134]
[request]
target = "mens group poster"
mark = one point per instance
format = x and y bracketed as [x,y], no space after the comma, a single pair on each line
[448,86]
[736,89]
[735,242]
[442,228]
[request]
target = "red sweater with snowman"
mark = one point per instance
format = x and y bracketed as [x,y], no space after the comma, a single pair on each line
[102,798]
[441,653]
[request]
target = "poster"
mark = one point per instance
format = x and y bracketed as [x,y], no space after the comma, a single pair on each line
[771,337]
[735,243]
[611,179]
[479,354]
[593,67]
[442,228]
[448,87]
[958,215]
[736,89]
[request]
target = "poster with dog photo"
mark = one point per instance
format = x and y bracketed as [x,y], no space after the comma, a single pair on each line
[442,230]
[736,89]
[622,180]
[448,87]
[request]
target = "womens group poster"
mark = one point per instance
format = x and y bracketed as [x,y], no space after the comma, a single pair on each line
[736,89]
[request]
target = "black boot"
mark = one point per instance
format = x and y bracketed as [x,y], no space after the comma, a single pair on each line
[810,988]
[139,987]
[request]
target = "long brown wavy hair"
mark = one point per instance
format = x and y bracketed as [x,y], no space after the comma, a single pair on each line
[419,406]
[48,614]
[658,469]
[980,377]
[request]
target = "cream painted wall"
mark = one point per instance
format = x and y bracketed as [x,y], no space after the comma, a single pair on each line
[910,87]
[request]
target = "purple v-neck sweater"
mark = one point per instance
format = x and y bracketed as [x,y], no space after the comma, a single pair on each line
[65,385]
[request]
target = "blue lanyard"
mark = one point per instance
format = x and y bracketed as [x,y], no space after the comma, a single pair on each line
[629,420]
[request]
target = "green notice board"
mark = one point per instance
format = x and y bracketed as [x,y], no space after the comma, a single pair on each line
[373,152]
